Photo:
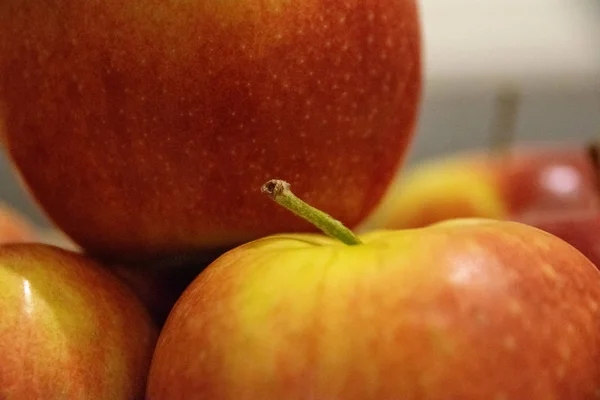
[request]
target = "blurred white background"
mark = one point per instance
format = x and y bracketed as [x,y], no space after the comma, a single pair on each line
[548,51]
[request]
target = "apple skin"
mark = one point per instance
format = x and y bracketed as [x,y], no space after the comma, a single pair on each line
[473,309]
[14,227]
[69,328]
[580,228]
[532,179]
[164,119]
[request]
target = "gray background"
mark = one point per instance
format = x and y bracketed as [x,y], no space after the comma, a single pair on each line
[548,51]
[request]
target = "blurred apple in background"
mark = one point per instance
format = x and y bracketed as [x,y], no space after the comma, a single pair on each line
[69,329]
[531,179]
[464,310]
[15,227]
[156,119]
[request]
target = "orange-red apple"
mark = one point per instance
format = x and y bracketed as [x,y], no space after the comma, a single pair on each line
[143,129]
[69,329]
[470,310]
[15,227]
[532,179]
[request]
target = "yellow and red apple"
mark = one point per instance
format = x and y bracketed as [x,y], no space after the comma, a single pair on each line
[464,310]
[159,119]
[529,180]
[69,329]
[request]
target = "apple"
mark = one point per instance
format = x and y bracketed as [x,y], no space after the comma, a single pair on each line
[158,117]
[463,309]
[15,227]
[532,179]
[69,329]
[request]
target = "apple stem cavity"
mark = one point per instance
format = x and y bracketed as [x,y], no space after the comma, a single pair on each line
[280,191]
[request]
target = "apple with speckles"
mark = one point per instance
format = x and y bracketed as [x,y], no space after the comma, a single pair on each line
[157,117]
[533,179]
[465,309]
[69,329]
[15,227]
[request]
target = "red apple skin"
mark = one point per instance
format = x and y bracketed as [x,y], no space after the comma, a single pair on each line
[534,178]
[464,310]
[14,227]
[163,120]
[579,228]
[69,328]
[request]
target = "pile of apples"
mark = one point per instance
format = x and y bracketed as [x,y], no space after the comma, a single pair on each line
[145,132]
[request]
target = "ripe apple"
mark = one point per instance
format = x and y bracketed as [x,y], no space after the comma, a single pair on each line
[532,179]
[69,329]
[482,310]
[14,227]
[158,117]
[465,309]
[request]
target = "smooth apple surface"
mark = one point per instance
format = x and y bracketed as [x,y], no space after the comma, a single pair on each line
[14,227]
[459,310]
[579,228]
[69,329]
[161,119]
[530,179]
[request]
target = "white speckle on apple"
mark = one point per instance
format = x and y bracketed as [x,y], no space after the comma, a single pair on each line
[509,343]
[342,20]
[370,15]
[564,350]
[593,305]
[549,271]
[370,39]
[514,307]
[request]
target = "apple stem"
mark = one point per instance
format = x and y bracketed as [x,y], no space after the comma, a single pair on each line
[594,155]
[280,191]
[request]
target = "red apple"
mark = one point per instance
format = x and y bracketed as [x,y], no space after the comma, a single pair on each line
[465,309]
[533,178]
[157,118]
[69,329]
[14,227]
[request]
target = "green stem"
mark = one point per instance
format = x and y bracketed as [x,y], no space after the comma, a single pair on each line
[280,191]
